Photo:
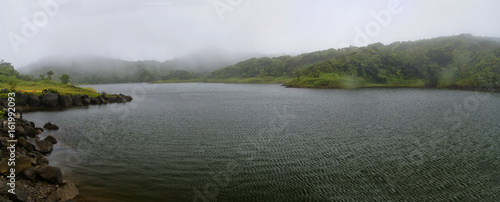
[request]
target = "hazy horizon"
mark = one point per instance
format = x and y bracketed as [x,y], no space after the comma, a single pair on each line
[162,30]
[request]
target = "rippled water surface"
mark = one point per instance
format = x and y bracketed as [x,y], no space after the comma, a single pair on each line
[239,142]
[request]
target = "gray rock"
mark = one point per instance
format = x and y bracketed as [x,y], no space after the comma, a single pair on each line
[30,173]
[45,146]
[4,166]
[50,100]
[85,101]
[51,139]
[121,99]
[33,101]
[102,100]
[33,142]
[19,131]
[65,101]
[22,99]
[66,192]
[43,160]
[77,100]
[94,101]
[21,194]
[22,163]
[50,126]
[24,143]
[29,131]
[50,174]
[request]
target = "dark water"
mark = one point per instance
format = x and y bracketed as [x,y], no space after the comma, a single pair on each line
[237,142]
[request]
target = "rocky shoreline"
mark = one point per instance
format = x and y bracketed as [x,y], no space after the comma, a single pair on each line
[35,179]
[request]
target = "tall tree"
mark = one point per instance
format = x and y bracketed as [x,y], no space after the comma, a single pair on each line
[65,78]
[49,74]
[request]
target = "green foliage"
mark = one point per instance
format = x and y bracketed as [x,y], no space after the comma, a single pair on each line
[7,69]
[2,114]
[49,74]
[458,61]
[13,82]
[65,78]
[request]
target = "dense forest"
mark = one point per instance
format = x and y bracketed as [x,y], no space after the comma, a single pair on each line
[456,61]
[97,70]
[453,61]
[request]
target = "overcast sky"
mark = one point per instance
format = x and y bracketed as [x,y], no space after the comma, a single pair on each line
[165,29]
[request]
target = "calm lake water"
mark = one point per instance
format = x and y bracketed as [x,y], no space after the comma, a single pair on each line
[239,142]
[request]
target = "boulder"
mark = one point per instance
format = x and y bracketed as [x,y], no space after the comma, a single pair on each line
[19,131]
[29,131]
[4,142]
[45,146]
[43,161]
[50,126]
[30,173]
[21,194]
[50,174]
[22,99]
[33,101]
[22,163]
[4,166]
[33,142]
[51,139]
[77,100]
[29,147]
[50,100]
[94,101]
[65,101]
[102,100]
[128,98]
[85,101]
[38,155]
[65,192]
[121,99]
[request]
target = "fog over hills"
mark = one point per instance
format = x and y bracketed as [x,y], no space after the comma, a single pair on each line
[98,69]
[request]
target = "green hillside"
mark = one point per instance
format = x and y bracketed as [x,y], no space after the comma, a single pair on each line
[455,61]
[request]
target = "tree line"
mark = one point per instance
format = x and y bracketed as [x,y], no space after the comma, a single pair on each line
[462,60]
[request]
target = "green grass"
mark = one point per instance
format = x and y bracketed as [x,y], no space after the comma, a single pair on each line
[337,81]
[38,86]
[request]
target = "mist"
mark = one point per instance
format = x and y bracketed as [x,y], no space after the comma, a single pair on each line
[134,30]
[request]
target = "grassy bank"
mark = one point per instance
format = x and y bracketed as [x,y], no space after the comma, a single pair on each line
[336,81]
[36,87]
[230,80]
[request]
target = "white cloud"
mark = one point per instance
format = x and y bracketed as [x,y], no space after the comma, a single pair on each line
[155,29]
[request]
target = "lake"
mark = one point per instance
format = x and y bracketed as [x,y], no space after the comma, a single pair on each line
[265,142]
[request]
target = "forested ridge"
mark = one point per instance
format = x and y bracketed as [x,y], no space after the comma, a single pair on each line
[454,61]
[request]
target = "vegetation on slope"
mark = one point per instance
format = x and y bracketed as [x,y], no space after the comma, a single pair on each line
[13,81]
[456,61]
